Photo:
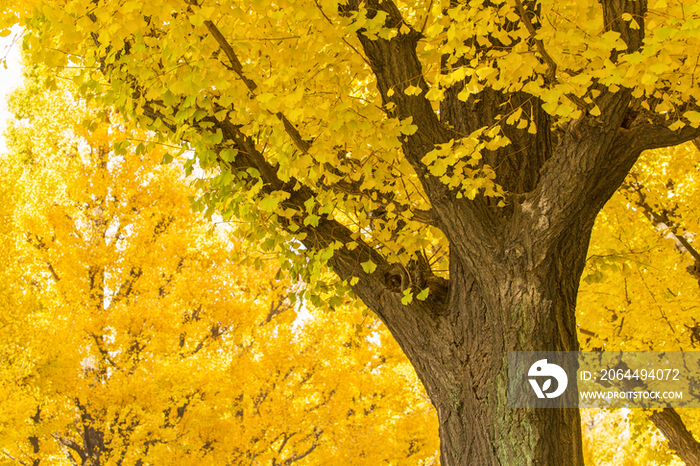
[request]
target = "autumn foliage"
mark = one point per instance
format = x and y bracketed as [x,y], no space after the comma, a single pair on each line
[440,164]
[132,334]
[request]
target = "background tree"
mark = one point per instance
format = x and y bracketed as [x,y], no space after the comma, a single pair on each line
[644,240]
[447,159]
[131,337]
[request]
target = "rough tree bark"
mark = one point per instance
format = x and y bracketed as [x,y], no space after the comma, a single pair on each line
[514,270]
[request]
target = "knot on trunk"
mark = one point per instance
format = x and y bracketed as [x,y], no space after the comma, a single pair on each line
[396,278]
[413,276]
[416,276]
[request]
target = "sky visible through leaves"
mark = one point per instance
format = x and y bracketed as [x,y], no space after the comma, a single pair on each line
[10,78]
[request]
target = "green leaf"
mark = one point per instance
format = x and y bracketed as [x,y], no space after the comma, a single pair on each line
[423,294]
[312,220]
[269,203]
[327,253]
[369,266]
[228,155]
[217,137]
[335,301]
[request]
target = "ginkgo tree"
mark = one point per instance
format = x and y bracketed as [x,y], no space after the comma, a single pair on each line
[640,287]
[446,159]
[131,335]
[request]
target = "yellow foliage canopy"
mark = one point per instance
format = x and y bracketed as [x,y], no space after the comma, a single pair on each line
[130,335]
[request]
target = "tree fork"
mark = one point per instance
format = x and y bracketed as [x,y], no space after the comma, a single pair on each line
[461,358]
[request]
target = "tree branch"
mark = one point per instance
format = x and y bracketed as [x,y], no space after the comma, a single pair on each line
[612,17]
[680,440]
[661,219]
[346,263]
[300,143]
[669,422]
[552,73]
[17,460]
[73,445]
[650,130]
[594,154]
[396,66]
[289,128]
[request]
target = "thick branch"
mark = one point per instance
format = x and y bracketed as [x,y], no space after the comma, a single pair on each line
[593,159]
[594,154]
[289,128]
[346,263]
[396,67]
[612,16]
[669,422]
[651,131]
[73,445]
[589,163]
[661,220]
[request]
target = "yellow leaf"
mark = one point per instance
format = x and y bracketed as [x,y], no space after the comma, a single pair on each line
[413,90]
[693,117]
[514,116]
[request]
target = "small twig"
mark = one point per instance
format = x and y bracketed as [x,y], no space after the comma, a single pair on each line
[343,38]
[552,74]
[427,16]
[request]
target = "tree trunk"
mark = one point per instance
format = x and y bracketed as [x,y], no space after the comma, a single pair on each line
[514,271]
[461,357]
